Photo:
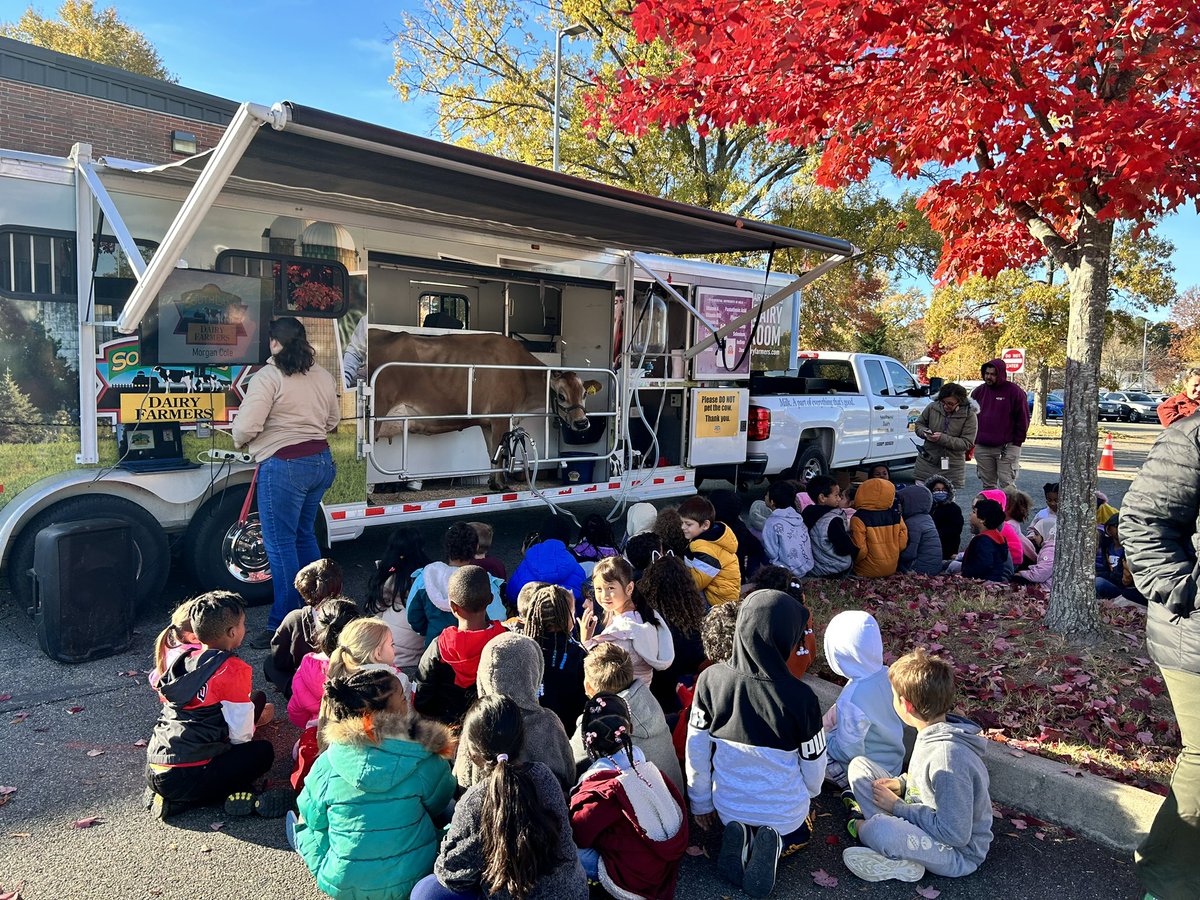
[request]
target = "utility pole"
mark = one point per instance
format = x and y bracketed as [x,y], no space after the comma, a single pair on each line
[569,31]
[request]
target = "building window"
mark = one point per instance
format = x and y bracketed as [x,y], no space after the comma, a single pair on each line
[310,288]
[39,264]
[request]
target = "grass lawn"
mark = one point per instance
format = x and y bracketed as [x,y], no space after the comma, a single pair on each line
[1102,707]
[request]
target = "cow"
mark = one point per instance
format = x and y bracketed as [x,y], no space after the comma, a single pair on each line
[169,377]
[421,391]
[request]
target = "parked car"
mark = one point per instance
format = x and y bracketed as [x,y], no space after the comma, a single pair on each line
[1110,410]
[1054,405]
[1135,405]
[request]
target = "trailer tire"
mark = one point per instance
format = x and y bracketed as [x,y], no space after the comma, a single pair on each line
[151,549]
[810,461]
[220,557]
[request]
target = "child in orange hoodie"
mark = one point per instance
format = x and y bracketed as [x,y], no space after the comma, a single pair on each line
[446,676]
[877,529]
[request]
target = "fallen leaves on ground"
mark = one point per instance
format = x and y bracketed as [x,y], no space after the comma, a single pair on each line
[88,822]
[6,792]
[14,894]
[19,718]
[1101,707]
[140,742]
[74,710]
[824,879]
[94,753]
[216,826]
[4,698]
[929,893]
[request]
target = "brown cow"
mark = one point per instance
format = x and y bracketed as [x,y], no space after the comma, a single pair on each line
[421,391]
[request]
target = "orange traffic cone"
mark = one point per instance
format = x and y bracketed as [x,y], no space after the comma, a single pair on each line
[1107,461]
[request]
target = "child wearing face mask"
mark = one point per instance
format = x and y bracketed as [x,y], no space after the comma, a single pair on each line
[947,516]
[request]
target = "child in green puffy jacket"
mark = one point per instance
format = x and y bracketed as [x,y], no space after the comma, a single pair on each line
[366,828]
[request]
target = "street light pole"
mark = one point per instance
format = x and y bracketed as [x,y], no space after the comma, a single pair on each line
[569,31]
[1145,332]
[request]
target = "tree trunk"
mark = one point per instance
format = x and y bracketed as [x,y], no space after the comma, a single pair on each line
[1073,606]
[1040,391]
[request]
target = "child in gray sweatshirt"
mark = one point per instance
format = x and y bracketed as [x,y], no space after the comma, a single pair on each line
[939,816]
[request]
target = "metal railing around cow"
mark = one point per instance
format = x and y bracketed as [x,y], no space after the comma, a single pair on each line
[549,414]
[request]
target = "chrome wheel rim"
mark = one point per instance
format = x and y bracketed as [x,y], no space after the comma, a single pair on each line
[244,553]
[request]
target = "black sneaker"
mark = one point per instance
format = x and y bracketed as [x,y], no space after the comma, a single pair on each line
[275,803]
[735,849]
[240,803]
[765,849]
[260,640]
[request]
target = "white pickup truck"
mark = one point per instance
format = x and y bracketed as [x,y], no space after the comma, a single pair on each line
[837,411]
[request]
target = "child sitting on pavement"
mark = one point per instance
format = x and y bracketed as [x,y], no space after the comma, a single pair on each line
[755,747]
[511,667]
[202,750]
[296,635]
[629,822]
[785,536]
[938,817]
[1010,532]
[548,560]
[174,641]
[628,620]
[946,514]
[308,684]
[387,593]
[448,670]
[483,553]
[833,551]
[777,578]
[428,604]
[547,614]
[607,670]
[862,722]
[711,552]
[366,826]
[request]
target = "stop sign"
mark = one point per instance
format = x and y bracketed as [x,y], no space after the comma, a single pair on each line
[1014,360]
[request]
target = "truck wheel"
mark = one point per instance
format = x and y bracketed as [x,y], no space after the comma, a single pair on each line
[810,461]
[151,552]
[223,555]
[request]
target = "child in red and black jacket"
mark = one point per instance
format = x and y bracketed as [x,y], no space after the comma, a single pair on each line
[201,751]
[987,557]
[445,686]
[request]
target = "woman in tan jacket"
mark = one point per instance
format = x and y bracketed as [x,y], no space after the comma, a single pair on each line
[947,427]
[290,407]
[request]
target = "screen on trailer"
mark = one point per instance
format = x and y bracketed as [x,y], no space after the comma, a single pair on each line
[206,318]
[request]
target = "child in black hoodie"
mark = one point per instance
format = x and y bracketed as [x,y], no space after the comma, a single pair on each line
[987,556]
[547,614]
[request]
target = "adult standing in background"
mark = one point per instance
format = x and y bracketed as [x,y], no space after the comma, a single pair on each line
[948,427]
[1003,424]
[1185,402]
[290,408]
[1160,519]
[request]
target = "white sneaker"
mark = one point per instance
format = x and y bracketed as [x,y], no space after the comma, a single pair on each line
[871,866]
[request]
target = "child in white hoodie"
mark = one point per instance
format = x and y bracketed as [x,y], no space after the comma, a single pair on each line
[863,721]
[629,620]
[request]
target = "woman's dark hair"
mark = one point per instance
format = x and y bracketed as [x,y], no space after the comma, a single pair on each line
[296,356]
[461,542]
[520,835]
[668,525]
[388,587]
[669,588]
[332,616]
[640,549]
[365,691]
[619,569]
[957,391]
[597,533]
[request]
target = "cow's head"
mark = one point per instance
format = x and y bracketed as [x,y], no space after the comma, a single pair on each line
[567,397]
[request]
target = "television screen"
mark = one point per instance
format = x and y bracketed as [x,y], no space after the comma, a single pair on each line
[206,318]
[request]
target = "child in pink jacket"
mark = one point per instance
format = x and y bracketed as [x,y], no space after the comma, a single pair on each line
[308,684]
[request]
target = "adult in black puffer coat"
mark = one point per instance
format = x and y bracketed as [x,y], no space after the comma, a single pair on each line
[1160,520]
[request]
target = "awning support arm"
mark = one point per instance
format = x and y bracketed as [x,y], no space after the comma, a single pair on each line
[105,202]
[225,157]
[775,299]
[642,263]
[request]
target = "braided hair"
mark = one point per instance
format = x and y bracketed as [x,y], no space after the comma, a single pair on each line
[520,835]
[549,609]
[607,729]
[360,694]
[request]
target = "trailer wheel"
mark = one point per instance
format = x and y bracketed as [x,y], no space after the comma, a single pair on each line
[223,555]
[151,552]
[810,461]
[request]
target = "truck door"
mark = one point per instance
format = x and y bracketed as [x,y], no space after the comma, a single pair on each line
[904,399]
[885,412]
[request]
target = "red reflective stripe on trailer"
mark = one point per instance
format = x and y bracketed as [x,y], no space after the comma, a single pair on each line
[681,478]
[562,492]
[375,511]
[660,481]
[614,485]
[412,507]
[446,504]
[592,489]
[507,497]
[476,501]
[338,515]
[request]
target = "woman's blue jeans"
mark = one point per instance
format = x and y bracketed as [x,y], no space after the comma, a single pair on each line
[289,498]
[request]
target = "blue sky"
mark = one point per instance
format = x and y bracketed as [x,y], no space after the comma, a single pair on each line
[336,56]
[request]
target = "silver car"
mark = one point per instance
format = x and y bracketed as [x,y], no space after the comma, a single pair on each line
[1136,406]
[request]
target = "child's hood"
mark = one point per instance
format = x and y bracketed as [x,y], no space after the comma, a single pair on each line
[815,513]
[722,535]
[791,514]
[462,650]
[875,493]
[375,760]
[853,644]
[189,673]
[640,518]
[944,484]
[511,666]
[999,496]
[915,500]
[435,578]
[759,512]
[552,562]
[653,643]
[959,731]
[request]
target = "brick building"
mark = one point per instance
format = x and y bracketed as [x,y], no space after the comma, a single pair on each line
[49,101]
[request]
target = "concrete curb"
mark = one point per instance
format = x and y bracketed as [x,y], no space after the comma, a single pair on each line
[1114,815]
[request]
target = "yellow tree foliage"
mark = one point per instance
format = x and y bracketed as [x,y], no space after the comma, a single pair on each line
[99,35]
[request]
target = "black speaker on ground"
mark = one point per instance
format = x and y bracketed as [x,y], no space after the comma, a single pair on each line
[84,589]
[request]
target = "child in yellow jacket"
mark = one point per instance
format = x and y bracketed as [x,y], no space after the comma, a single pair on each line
[712,552]
[877,529]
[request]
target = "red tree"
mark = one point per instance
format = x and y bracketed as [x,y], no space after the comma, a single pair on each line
[1052,119]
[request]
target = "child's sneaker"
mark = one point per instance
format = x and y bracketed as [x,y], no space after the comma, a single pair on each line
[852,826]
[735,851]
[273,804]
[871,866]
[289,828]
[160,807]
[239,803]
[765,850]
[850,803]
